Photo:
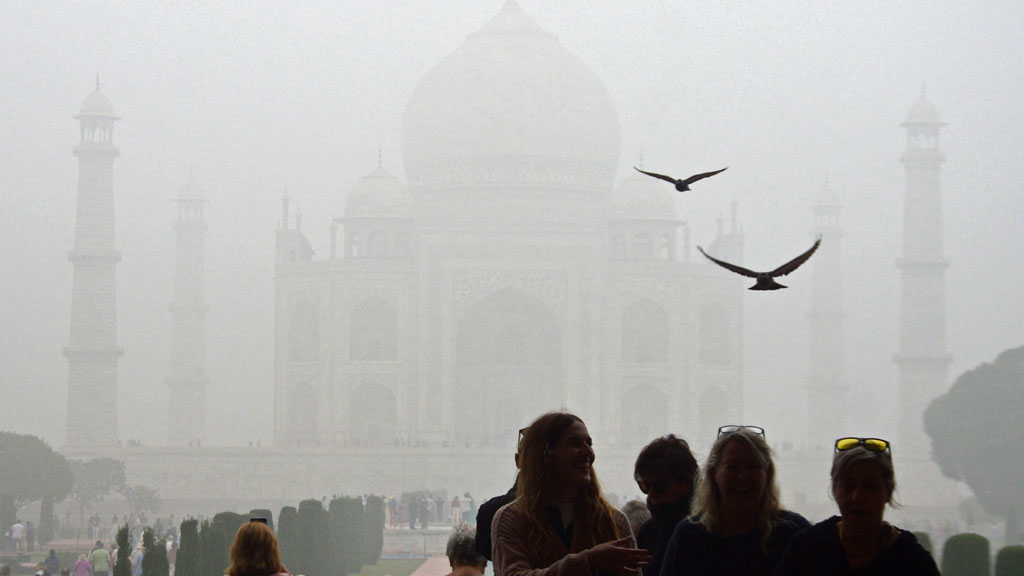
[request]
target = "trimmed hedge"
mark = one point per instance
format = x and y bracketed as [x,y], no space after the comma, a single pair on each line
[1010,561]
[189,557]
[966,555]
[123,565]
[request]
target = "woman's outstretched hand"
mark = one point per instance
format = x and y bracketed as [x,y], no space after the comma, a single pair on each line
[618,556]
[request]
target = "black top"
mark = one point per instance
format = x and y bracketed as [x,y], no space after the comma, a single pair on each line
[694,550]
[818,551]
[654,536]
[484,517]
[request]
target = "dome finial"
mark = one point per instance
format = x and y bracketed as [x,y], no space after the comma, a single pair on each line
[380,157]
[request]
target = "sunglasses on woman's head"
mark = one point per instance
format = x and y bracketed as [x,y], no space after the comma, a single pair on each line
[870,444]
[737,427]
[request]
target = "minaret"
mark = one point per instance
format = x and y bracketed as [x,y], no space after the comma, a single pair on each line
[93,352]
[826,385]
[922,358]
[187,380]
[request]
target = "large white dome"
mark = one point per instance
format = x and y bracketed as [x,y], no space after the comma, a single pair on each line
[510,103]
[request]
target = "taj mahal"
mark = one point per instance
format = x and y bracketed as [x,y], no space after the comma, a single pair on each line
[506,274]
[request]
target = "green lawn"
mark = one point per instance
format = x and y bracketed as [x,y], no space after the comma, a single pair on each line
[392,567]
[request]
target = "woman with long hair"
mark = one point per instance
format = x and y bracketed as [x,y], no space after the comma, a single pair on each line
[859,541]
[254,552]
[737,526]
[560,524]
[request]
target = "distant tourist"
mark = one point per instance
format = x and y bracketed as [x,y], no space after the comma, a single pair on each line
[738,525]
[18,534]
[255,552]
[136,559]
[859,541]
[456,510]
[485,515]
[560,521]
[82,566]
[52,563]
[100,560]
[637,514]
[30,536]
[462,554]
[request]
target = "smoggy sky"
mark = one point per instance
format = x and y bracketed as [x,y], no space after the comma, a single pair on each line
[259,98]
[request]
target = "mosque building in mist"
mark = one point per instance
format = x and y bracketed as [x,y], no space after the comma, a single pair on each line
[508,274]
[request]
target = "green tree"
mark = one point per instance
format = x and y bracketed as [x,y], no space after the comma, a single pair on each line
[232,522]
[142,498]
[1010,561]
[29,470]
[925,540]
[154,555]
[373,530]
[315,543]
[215,544]
[94,479]
[976,432]
[346,528]
[263,513]
[47,522]
[288,538]
[188,560]
[123,565]
[966,555]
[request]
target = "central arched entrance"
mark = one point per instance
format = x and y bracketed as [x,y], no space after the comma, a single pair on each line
[508,367]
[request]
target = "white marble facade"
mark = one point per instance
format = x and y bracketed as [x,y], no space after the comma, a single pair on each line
[507,275]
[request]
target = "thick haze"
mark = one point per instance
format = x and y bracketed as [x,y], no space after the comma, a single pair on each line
[256,99]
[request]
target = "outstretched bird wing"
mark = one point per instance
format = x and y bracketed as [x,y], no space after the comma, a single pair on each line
[728,266]
[696,177]
[795,262]
[659,176]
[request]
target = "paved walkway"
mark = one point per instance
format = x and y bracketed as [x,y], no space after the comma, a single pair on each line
[433,566]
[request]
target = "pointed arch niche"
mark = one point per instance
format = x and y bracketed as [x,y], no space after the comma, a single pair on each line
[645,333]
[508,367]
[373,416]
[644,415]
[373,332]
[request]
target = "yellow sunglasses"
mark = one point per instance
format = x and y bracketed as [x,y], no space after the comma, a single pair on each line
[871,444]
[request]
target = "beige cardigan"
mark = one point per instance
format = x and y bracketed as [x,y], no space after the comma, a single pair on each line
[514,557]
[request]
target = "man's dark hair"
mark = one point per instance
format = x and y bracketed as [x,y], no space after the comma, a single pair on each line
[667,454]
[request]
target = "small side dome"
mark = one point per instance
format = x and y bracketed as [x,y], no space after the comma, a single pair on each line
[97,104]
[923,112]
[641,197]
[378,195]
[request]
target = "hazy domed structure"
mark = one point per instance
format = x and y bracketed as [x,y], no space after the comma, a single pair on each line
[378,195]
[510,106]
[640,197]
[506,277]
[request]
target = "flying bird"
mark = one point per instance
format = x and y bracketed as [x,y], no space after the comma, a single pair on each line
[681,185]
[766,280]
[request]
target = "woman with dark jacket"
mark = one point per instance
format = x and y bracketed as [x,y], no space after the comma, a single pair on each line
[859,541]
[737,527]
